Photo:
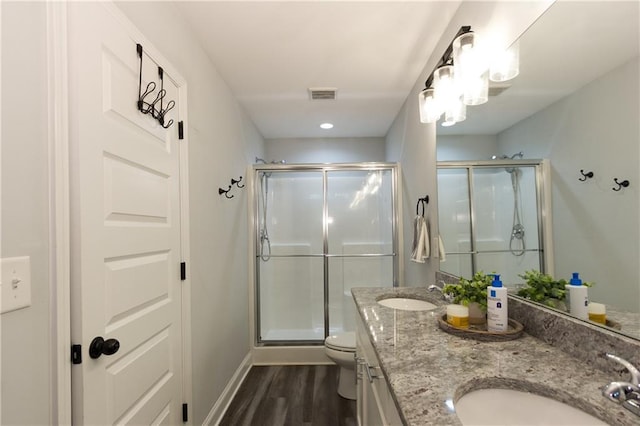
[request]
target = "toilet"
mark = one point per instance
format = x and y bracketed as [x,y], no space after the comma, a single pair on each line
[341,348]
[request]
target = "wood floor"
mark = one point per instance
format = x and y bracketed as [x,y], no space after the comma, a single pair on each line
[291,395]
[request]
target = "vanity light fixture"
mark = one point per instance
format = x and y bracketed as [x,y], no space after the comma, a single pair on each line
[326,126]
[472,74]
[506,65]
[461,78]
[448,96]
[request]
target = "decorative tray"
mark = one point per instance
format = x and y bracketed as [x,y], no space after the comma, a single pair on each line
[614,324]
[479,331]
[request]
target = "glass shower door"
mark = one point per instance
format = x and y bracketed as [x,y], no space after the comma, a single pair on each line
[360,247]
[490,219]
[454,212]
[506,219]
[320,231]
[290,256]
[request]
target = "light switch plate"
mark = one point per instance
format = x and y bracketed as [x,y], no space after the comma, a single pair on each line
[15,283]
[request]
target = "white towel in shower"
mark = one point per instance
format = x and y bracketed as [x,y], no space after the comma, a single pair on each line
[420,247]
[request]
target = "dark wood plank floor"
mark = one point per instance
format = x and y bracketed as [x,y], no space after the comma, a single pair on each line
[291,395]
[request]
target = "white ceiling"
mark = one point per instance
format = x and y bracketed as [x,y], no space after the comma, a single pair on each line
[271,52]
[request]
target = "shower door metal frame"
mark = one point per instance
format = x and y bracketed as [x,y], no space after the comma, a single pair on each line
[325,169]
[540,185]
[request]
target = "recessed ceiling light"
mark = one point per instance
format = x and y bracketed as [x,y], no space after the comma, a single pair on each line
[326,126]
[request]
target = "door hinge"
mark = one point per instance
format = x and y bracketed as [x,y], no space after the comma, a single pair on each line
[76,354]
[180,130]
[185,413]
[183,271]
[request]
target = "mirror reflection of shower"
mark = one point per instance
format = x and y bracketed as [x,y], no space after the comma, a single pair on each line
[265,242]
[517,244]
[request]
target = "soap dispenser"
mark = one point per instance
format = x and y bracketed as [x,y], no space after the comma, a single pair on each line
[497,312]
[578,297]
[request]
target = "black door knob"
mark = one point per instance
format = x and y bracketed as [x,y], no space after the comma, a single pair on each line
[99,346]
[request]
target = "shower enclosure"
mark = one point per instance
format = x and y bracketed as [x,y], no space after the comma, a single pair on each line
[492,217]
[320,230]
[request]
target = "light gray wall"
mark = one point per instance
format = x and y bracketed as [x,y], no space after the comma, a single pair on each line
[325,150]
[596,230]
[467,147]
[414,146]
[25,393]
[222,141]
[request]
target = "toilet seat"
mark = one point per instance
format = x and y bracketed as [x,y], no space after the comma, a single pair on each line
[343,342]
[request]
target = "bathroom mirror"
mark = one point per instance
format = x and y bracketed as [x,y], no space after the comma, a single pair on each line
[576,103]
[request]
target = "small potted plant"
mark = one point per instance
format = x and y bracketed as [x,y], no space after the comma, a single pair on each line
[472,293]
[544,289]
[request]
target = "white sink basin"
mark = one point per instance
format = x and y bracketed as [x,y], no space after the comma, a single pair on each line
[511,407]
[405,304]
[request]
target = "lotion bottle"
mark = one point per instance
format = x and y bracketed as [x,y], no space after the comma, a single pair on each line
[497,312]
[578,298]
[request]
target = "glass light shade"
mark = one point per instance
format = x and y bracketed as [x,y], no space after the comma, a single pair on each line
[506,65]
[429,109]
[471,71]
[448,96]
[455,113]
[476,89]
[446,90]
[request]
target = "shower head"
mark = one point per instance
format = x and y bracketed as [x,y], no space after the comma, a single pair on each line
[260,160]
[506,157]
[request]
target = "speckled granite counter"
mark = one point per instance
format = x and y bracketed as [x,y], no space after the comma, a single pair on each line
[425,367]
[629,321]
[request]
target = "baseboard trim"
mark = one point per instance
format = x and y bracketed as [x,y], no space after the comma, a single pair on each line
[220,407]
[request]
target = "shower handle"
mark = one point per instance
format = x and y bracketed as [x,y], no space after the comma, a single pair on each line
[517,231]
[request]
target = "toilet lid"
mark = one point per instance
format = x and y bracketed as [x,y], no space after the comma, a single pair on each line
[342,341]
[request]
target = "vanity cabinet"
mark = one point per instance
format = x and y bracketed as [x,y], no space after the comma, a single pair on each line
[375,405]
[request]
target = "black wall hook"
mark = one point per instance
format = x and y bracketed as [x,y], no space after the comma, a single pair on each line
[225,192]
[237,182]
[585,176]
[155,108]
[422,202]
[625,183]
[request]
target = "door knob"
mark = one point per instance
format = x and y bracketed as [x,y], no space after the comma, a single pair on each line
[99,346]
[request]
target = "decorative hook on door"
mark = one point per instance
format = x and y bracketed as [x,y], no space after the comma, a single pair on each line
[625,183]
[585,176]
[156,108]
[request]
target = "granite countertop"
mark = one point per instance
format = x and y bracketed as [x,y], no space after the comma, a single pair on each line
[426,367]
[629,321]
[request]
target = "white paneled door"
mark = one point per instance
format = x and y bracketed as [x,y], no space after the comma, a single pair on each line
[125,228]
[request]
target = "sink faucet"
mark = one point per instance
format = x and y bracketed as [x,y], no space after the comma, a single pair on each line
[434,287]
[625,393]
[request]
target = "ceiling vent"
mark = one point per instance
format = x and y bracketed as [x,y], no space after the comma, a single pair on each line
[497,89]
[322,93]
